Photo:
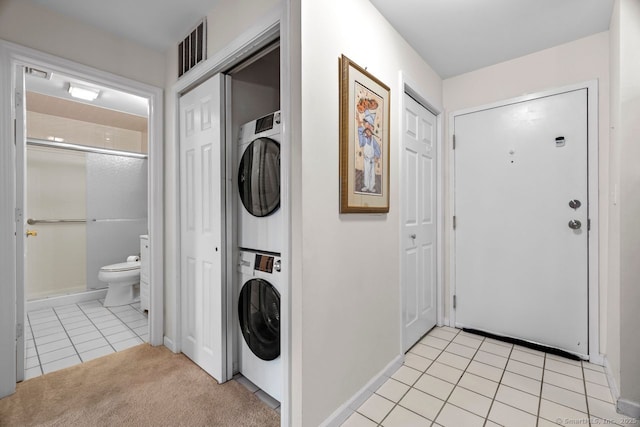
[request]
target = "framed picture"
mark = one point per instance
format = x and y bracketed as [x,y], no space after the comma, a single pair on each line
[364,141]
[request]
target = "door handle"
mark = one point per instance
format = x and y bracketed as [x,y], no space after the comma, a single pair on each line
[413,236]
[574,224]
[31,233]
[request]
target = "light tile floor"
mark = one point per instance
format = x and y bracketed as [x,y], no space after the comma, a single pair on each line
[60,337]
[260,394]
[453,378]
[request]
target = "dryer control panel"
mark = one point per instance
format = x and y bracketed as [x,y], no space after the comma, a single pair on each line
[264,263]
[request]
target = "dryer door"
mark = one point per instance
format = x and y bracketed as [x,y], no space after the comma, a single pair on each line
[259,313]
[259,177]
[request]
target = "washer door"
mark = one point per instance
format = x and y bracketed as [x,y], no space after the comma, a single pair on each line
[259,313]
[259,177]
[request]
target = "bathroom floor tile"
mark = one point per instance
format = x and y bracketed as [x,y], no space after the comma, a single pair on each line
[60,364]
[32,372]
[412,360]
[50,338]
[452,416]
[137,323]
[114,329]
[120,336]
[95,353]
[52,346]
[52,356]
[91,345]
[123,345]
[478,384]
[77,339]
[81,330]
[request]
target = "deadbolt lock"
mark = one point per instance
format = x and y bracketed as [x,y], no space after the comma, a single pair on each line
[574,224]
[31,233]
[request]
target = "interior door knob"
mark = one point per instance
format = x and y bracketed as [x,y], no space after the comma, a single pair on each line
[574,224]
[31,233]
[413,236]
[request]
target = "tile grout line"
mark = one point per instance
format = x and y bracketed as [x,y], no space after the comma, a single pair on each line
[411,386]
[544,364]
[34,346]
[586,397]
[99,331]
[493,400]
[126,324]
[68,336]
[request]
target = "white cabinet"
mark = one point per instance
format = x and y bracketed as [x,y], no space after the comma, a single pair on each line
[144,272]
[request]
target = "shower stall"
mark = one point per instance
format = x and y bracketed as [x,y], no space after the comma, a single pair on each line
[86,208]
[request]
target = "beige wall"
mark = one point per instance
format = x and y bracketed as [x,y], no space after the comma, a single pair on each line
[226,22]
[628,145]
[37,27]
[350,291]
[579,61]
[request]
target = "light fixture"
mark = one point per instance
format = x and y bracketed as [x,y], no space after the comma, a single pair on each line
[83,92]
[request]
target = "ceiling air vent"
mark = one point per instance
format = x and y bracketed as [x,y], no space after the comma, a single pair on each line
[193,49]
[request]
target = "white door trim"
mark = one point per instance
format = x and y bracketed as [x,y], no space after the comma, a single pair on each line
[12,55]
[271,27]
[594,235]
[412,88]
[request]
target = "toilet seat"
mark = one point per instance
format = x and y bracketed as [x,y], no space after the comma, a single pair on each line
[122,266]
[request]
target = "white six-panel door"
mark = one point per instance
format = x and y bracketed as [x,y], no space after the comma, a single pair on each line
[521,244]
[202,222]
[419,196]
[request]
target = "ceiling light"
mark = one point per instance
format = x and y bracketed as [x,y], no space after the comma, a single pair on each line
[82,92]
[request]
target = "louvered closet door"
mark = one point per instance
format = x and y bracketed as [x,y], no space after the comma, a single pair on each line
[201,225]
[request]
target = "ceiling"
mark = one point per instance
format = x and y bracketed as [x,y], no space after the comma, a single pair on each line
[57,85]
[157,24]
[458,36]
[453,36]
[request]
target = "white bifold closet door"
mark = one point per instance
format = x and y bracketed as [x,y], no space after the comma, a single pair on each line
[521,237]
[201,226]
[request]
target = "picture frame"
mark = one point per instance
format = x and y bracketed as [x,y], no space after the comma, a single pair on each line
[364,140]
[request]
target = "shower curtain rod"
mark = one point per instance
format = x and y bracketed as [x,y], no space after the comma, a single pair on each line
[85,148]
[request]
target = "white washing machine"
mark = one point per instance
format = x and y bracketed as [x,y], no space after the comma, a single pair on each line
[259,321]
[260,217]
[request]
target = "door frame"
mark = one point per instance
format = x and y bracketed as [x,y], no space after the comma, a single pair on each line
[271,27]
[11,56]
[410,87]
[593,180]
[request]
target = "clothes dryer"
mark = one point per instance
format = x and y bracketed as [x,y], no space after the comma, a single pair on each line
[259,321]
[260,218]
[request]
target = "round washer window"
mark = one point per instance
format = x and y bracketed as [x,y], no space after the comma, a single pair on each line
[259,313]
[259,177]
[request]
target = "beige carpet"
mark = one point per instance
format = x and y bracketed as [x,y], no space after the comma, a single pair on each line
[141,386]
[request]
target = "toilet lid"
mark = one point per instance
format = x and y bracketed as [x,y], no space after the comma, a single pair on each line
[123,266]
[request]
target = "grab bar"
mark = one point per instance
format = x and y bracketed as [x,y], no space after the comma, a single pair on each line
[31,221]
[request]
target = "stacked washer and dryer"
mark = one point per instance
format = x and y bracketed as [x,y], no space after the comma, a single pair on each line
[260,236]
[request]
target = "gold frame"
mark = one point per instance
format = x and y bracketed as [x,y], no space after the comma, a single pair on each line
[364,140]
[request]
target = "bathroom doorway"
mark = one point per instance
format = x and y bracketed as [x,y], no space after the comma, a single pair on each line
[87,183]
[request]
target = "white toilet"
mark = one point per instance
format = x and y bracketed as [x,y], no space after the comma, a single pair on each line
[121,279]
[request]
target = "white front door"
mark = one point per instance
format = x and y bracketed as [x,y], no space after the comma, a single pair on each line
[202,222]
[521,237]
[419,196]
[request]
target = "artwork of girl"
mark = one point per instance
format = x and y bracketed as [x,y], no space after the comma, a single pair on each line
[368,174]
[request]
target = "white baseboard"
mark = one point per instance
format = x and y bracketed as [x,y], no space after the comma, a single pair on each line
[341,414]
[628,408]
[611,379]
[168,342]
[596,359]
[58,301]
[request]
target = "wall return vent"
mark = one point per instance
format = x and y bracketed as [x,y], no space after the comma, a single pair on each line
[193,49]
